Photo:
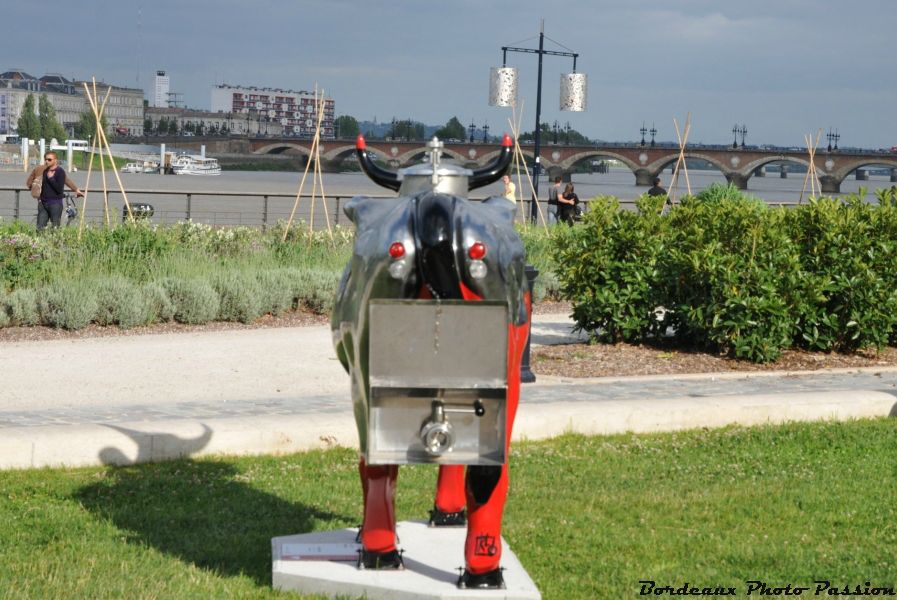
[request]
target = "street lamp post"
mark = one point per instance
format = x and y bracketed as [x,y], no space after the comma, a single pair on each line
[472,129]
[503,92]
[555,133]
[743,134]
[735,135]
[485,133]
[643,131]
[567,132]
[653,132]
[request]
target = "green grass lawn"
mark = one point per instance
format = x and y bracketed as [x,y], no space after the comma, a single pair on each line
[589,517]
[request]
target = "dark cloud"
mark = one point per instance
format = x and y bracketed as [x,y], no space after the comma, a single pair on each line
[787,67]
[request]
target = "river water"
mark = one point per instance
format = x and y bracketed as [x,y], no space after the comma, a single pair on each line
[239,207]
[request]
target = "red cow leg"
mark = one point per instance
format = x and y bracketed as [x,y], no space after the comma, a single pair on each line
[378,530]
[448,509]
[487,487]
[487,490]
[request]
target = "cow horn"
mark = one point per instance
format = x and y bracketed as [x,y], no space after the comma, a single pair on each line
[379,175]
[493,172]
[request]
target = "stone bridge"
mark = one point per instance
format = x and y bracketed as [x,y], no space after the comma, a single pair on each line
[738,165]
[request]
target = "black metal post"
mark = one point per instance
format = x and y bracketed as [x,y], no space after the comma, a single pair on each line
[526,374]
[265,213]
[537,137]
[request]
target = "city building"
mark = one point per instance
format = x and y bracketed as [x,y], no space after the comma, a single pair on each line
[203,122]
[16,85]
[293,111]
[161,90]
[124,108]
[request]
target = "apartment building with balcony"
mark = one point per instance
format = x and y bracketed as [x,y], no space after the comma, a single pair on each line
[294,111]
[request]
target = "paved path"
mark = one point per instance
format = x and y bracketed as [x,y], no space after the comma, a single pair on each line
[148,397]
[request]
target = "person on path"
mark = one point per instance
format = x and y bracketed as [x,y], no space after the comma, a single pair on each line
[510,188]
[567,205]
[553,193]
[53,182]
[657,190]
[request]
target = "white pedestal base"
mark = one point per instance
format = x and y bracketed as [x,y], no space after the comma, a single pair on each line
[325,563]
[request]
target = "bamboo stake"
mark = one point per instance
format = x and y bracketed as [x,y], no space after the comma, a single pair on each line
[518,152]
[811,175]
[99,127]
[320,172]
[105,142]
[813,164]
[683,140]
[316,175]
[515,129]
[286,229]
[93,147]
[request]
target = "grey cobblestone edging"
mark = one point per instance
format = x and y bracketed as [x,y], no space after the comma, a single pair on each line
[544,392]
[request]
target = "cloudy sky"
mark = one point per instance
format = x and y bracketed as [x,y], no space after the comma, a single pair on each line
[782,68]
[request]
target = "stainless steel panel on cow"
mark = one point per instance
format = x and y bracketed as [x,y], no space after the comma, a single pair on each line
[438,381]
[441,344]
[400,417]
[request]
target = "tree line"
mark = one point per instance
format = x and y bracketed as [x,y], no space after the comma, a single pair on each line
[44,124]
[347,126]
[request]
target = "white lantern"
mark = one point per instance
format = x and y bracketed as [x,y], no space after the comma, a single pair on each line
[573,91]
[502,86]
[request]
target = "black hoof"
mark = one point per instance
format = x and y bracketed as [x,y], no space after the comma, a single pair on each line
[439,518]
[380,560]
[491,580]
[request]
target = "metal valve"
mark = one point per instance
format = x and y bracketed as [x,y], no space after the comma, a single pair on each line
[437,434]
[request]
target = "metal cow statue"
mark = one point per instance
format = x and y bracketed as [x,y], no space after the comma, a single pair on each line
[430,321]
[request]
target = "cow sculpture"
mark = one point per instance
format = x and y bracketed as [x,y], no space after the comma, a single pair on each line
[430,321]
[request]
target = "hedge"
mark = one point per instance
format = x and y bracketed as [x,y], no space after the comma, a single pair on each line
[726,272]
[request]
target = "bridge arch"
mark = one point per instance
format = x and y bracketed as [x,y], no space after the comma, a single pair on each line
[280,147]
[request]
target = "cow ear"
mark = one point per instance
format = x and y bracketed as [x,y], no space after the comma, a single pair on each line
[501,209]
[363,210]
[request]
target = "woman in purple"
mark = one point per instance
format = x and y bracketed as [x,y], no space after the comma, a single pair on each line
[53,182]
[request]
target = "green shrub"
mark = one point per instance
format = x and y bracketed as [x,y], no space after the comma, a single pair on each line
[22,259]
[67,304]
[194,300]
[730,277]
[277,292]
[22,306]
[240,297]
[160,308]
[320,290]
[121,302]
[4,309]
[848,251]
[607,267]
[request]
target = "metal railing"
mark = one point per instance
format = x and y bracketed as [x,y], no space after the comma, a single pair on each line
[221,208]
[252,209]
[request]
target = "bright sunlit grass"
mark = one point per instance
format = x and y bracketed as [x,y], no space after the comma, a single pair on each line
[589,517]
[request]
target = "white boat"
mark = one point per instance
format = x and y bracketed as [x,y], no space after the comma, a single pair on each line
[189,164]
[144,167]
